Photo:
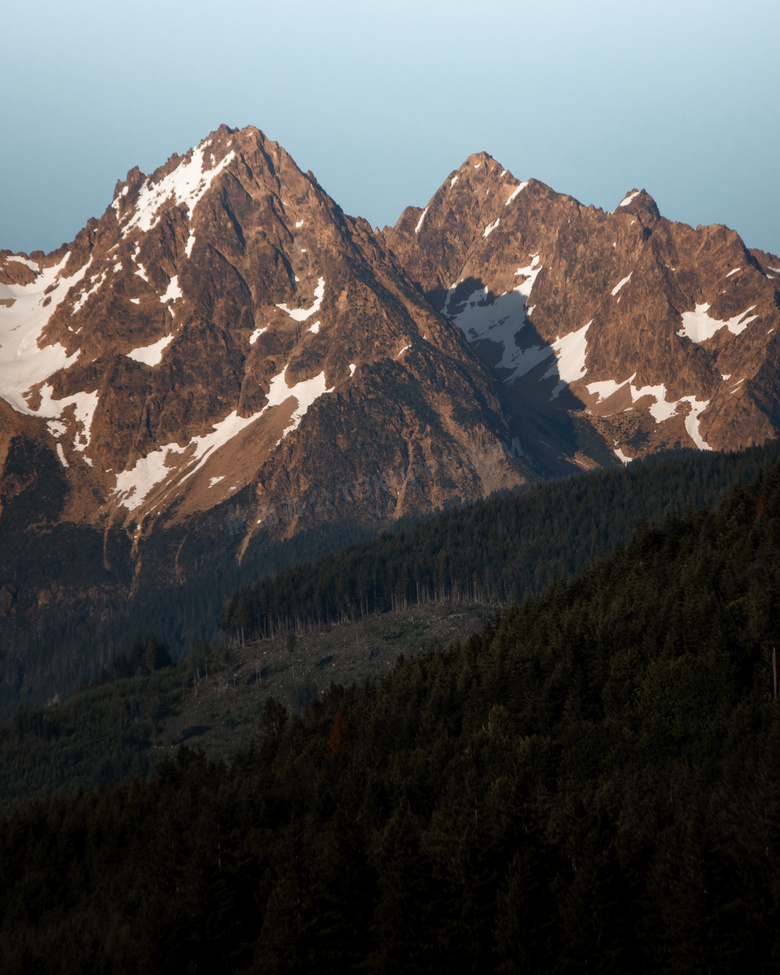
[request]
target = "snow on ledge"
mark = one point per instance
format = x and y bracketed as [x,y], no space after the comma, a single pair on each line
[699,325]
[301,314]
[152,354]
[23,362]
[515,191]
[662,409]
[135,485]
[173,291]
[620,284]
[420,221]
[186,185]
[570,353]
[626,200]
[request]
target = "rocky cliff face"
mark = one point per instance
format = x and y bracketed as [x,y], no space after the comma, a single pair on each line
[623,329]
[223,357]
[225,360]
[225,324]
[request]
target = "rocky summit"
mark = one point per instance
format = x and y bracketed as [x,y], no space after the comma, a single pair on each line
[224,324]
[225,360]
[618,330]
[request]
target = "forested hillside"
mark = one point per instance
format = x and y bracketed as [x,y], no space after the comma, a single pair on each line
[496,551]
[590,785]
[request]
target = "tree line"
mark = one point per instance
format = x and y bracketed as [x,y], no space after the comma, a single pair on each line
[590,784]
[496,552]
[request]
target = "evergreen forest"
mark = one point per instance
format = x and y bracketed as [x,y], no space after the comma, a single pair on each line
[589,784]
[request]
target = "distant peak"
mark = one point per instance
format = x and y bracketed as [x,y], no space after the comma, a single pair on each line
[638,201]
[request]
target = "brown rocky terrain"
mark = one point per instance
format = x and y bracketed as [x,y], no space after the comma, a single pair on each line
[225,360]
[620,327]
[217,307]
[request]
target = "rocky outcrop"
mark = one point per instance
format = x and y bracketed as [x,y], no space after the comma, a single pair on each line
[225,324]
[622,329]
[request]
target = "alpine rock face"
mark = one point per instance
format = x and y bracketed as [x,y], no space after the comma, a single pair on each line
[225,360]
[623,331]
[217,308]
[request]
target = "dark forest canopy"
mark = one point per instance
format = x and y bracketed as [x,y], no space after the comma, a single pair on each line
[591,784]
[496,551]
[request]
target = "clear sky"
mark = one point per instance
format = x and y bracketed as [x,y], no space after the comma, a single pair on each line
[381,100]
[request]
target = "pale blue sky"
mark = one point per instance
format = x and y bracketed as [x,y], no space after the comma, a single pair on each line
[382,100]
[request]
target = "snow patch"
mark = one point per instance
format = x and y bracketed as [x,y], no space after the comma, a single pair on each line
[306,392]
[500,320]
[216,480]
[352,368]
[699,326]
[491,227]
[185,186]
[402,351]
[662,409]
[301,314]
[530,273]
[83,405]
[733,272]
[173,291]
[35,267]
[692,421]
[570,352]
[151,354]
[315,328]
[23,363]
[256,334]
[620,284]
[78,305]
[624,458]
[626,200]
[134,486]
[420,221]
[453,181]
[606,388]
[515,191]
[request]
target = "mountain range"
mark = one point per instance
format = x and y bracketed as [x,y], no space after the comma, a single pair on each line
[225,362]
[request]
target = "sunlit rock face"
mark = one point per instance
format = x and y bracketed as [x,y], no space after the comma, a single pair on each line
[224,360]
[223,325]
[647,333]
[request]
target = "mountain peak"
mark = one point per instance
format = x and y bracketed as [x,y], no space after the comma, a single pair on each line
[639,203]
[478,159]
